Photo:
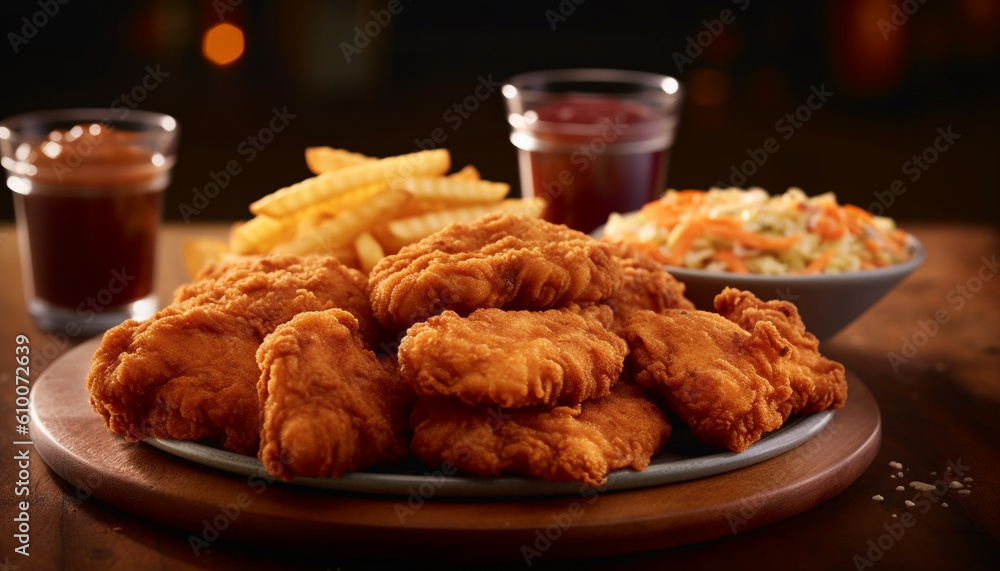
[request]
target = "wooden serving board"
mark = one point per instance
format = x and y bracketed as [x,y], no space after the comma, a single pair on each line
[218,506]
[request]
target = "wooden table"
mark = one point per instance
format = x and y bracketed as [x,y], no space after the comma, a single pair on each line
[939,411]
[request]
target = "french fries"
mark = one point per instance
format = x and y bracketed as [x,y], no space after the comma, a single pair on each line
[259,234]
[343,228]
[359,209]
[369,251]
[293,198]
[451,190]
[327,159]
[468,172]
[262,233]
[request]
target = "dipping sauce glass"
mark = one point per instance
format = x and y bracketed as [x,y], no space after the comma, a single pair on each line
[88,198]
[592,141]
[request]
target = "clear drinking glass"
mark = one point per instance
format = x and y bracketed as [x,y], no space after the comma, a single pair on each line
[88,197]
[592,141]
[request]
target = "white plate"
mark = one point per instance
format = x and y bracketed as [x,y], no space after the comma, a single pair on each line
[682,459]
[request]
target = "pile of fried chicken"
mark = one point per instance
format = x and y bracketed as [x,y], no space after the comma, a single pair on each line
[504,346]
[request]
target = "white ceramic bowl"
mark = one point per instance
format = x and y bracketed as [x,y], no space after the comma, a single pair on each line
[826,302]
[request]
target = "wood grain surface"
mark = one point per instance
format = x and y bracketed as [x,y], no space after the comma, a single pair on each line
[939,406]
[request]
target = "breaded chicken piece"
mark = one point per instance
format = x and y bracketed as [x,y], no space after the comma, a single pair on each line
[727,384]
[817,383]
[190,372]
[255,275]
[188,376]
[514,358]
[330,406]
[645,285]
[581,443]
[502,260]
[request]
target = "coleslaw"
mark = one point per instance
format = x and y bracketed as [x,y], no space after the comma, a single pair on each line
[750,231]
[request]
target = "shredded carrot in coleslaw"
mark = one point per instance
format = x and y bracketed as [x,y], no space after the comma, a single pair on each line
[749,231]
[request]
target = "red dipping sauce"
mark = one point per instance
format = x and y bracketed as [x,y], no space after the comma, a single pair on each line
[591,141]
[589,157]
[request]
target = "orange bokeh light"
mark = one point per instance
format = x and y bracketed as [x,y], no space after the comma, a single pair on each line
[222,44]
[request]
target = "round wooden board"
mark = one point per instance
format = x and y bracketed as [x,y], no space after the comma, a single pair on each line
[213,505]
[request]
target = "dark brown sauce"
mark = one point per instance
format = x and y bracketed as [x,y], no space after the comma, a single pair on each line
[83,245]
[91,208]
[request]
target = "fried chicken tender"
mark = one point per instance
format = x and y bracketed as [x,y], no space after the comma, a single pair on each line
[581,443]
[502,260]
[727,384]
[190,371]
[645,285]
[254,275]
[817,383]
[330,406]
[514,358]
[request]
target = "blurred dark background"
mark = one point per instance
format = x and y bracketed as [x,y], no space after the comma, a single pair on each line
[898,72]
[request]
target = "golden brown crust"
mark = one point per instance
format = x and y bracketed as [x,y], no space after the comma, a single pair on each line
[645,286]
[189,372]
[514,358]
[501,260]
[269,280]
[581,443]
[817,382]
[330,406]
[725,383]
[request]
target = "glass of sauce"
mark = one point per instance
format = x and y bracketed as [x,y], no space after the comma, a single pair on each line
[592,141]
[88,197]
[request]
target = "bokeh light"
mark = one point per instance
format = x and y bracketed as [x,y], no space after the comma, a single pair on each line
[222,44]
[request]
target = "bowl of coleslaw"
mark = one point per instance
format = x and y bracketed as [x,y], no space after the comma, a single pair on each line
[832,260]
